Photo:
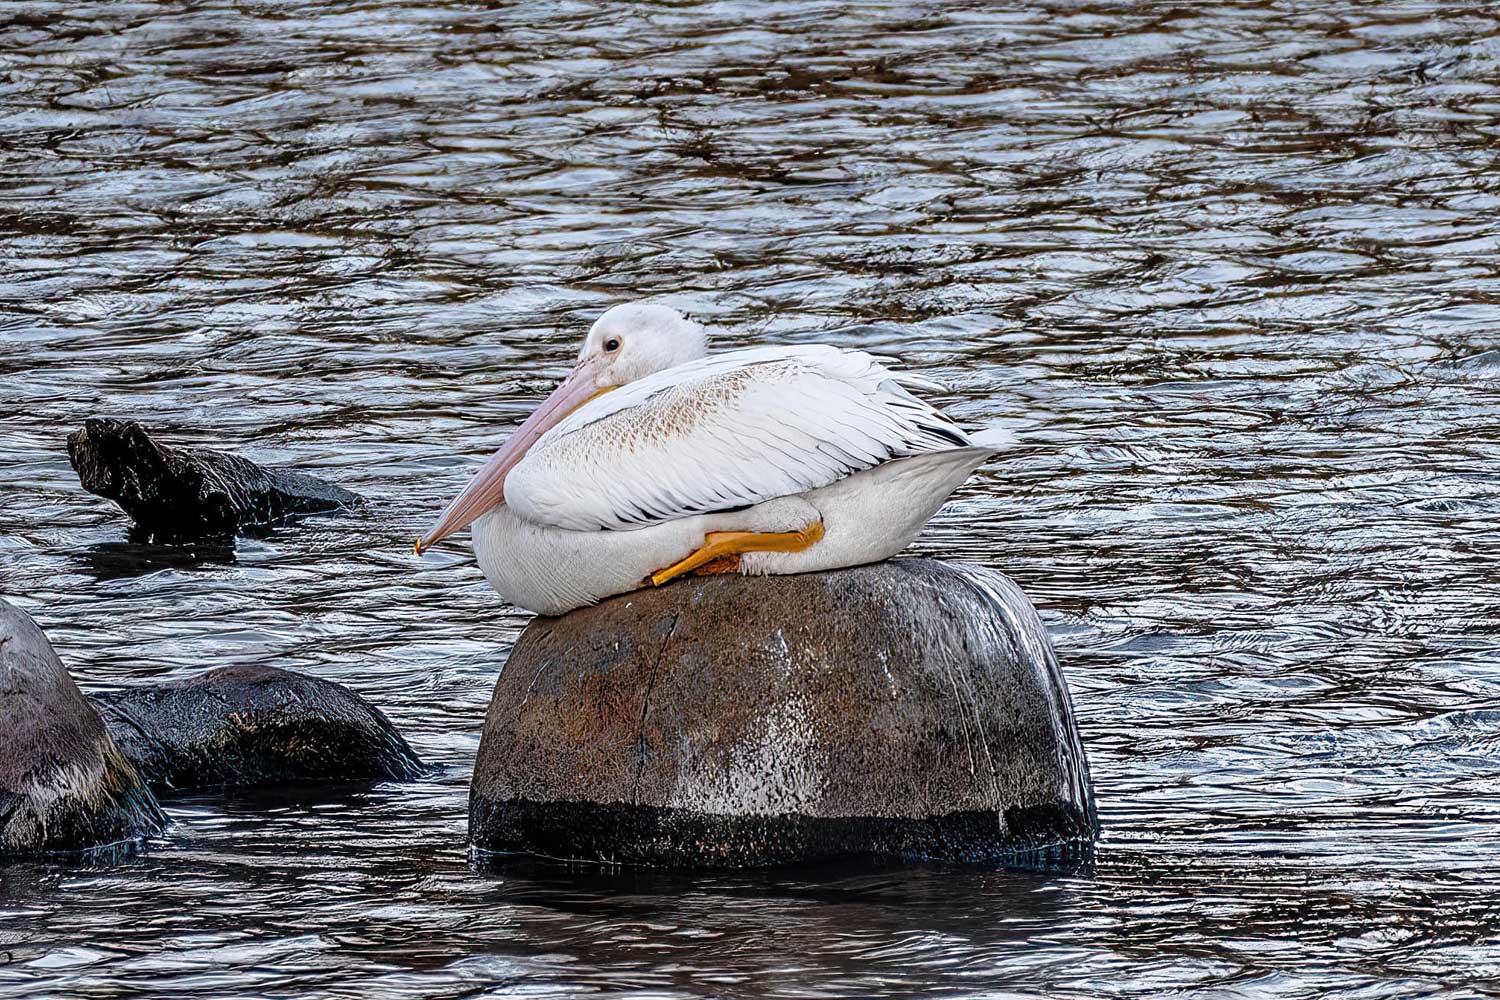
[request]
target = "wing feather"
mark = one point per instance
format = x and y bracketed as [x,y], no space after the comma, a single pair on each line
[731,430]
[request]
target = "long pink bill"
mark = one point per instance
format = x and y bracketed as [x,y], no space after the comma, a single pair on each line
[487,489]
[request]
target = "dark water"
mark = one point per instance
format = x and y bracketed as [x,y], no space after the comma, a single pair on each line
[1231,271]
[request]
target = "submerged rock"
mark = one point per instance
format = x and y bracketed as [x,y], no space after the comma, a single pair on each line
[907,709]
[178,494]
[63,784]
[254,725]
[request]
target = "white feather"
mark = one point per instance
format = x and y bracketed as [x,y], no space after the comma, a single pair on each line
[727,431]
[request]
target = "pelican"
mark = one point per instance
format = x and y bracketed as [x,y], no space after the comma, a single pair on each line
[654,459]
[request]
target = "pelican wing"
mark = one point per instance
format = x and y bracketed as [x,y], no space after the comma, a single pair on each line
[728,431]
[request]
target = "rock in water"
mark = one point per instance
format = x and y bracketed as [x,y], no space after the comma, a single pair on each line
[63,784]
[254,725]
[179,494]
[907,709]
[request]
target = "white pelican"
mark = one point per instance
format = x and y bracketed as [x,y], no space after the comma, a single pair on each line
[782,459]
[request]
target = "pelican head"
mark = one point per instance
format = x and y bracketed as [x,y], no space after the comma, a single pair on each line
[628,342]
[638,339]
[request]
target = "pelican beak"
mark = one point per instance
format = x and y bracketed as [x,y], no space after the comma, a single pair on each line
[487,489]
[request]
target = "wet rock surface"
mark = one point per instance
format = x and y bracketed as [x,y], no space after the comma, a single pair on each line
[181,494]
[909,709]
[63,784]
[254,725]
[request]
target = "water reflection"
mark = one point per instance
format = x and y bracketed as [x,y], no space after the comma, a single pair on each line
[1227,271]
[116,560]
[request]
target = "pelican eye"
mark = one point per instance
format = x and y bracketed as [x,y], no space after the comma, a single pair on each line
[612,344]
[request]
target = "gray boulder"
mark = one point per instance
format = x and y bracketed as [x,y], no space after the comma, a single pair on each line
[909,709]
[182,494]
[253,725]
[64,785]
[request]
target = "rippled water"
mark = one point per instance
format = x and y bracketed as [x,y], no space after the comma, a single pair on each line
[1230,271]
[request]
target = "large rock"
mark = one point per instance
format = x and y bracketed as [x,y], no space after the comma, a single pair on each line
[63,784]
[907,709]
[254,725]
[180,494]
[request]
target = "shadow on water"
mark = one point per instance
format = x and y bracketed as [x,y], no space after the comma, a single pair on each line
[911,886]
[122,560]
[141,553]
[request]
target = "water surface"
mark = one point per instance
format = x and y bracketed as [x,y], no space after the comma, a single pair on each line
[1229,271]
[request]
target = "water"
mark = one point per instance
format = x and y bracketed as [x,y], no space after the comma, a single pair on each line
[1230,272]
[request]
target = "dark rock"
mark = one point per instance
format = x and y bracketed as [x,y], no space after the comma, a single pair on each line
[64,785]
[176,494]
[907,709]
[253,725]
